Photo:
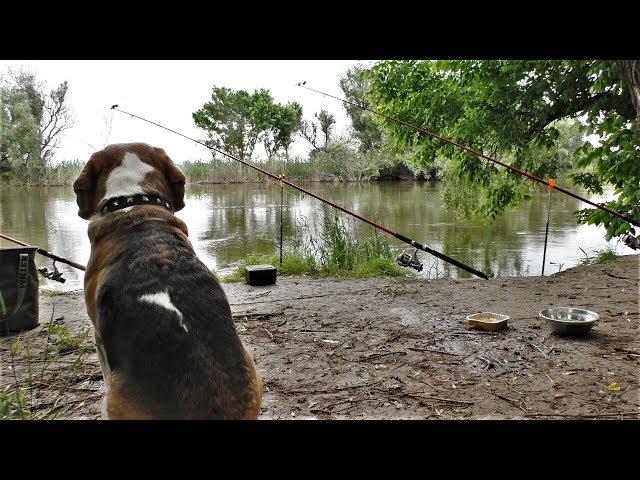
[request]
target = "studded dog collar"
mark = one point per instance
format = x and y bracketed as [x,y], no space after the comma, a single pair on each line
[117,203]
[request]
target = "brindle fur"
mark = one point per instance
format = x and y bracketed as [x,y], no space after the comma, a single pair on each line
[157,370]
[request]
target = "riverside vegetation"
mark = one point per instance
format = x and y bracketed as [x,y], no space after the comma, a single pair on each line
[339,162]
[574,118]
[336,251]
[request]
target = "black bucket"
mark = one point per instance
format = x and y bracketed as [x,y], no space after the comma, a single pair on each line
[19,305]
[260,274]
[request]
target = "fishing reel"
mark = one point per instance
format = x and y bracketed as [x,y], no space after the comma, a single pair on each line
[407,260]
[55,275]
[631,241]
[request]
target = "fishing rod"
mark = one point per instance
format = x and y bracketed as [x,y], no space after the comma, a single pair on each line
[55,275]
[478,153]
[399,236]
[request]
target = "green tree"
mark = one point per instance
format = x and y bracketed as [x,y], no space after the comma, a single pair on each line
[309,130]
[20,138]
[326,122]
[512,109]
[32,122]
[283,122]
[355,86]
[234,120]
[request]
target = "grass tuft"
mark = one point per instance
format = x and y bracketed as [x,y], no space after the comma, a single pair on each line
[31,395]
[597,257]
[337,250]
[65,341]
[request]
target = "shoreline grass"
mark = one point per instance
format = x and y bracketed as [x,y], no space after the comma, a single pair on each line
[61,174]
[334,252]
[336,163]
[297,263]
[322,167]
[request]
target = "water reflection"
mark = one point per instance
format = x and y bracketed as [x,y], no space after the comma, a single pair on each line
[228,222]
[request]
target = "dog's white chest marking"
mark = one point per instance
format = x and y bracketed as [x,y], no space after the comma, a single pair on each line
[163,299]
[126,178]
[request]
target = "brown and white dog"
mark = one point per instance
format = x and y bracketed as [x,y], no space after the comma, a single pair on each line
[166,340]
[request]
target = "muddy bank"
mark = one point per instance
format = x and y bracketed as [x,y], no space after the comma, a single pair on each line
[395,349]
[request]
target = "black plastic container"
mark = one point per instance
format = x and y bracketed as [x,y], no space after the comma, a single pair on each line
[260,274]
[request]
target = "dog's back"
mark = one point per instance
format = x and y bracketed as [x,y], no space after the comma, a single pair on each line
[167,331]
[163,328]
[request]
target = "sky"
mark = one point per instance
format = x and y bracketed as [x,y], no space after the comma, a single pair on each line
[168,92]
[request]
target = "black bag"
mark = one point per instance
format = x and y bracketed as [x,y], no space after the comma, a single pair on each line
[18,289]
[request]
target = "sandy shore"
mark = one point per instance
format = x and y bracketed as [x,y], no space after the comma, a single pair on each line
[391,349]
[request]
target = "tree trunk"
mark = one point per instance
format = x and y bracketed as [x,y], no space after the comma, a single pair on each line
[631,73]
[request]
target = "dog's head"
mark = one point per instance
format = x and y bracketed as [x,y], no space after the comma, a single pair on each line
[128,169]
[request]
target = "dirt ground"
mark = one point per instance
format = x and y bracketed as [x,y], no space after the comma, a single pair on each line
[394,349]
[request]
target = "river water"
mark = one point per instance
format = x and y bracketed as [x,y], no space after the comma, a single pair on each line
[228,222]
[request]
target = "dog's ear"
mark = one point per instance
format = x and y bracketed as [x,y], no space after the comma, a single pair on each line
[176,181]
[85,188]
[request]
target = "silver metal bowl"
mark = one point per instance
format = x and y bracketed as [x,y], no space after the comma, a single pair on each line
[569,321]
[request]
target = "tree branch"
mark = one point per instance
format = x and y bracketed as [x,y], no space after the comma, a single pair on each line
[631,74]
